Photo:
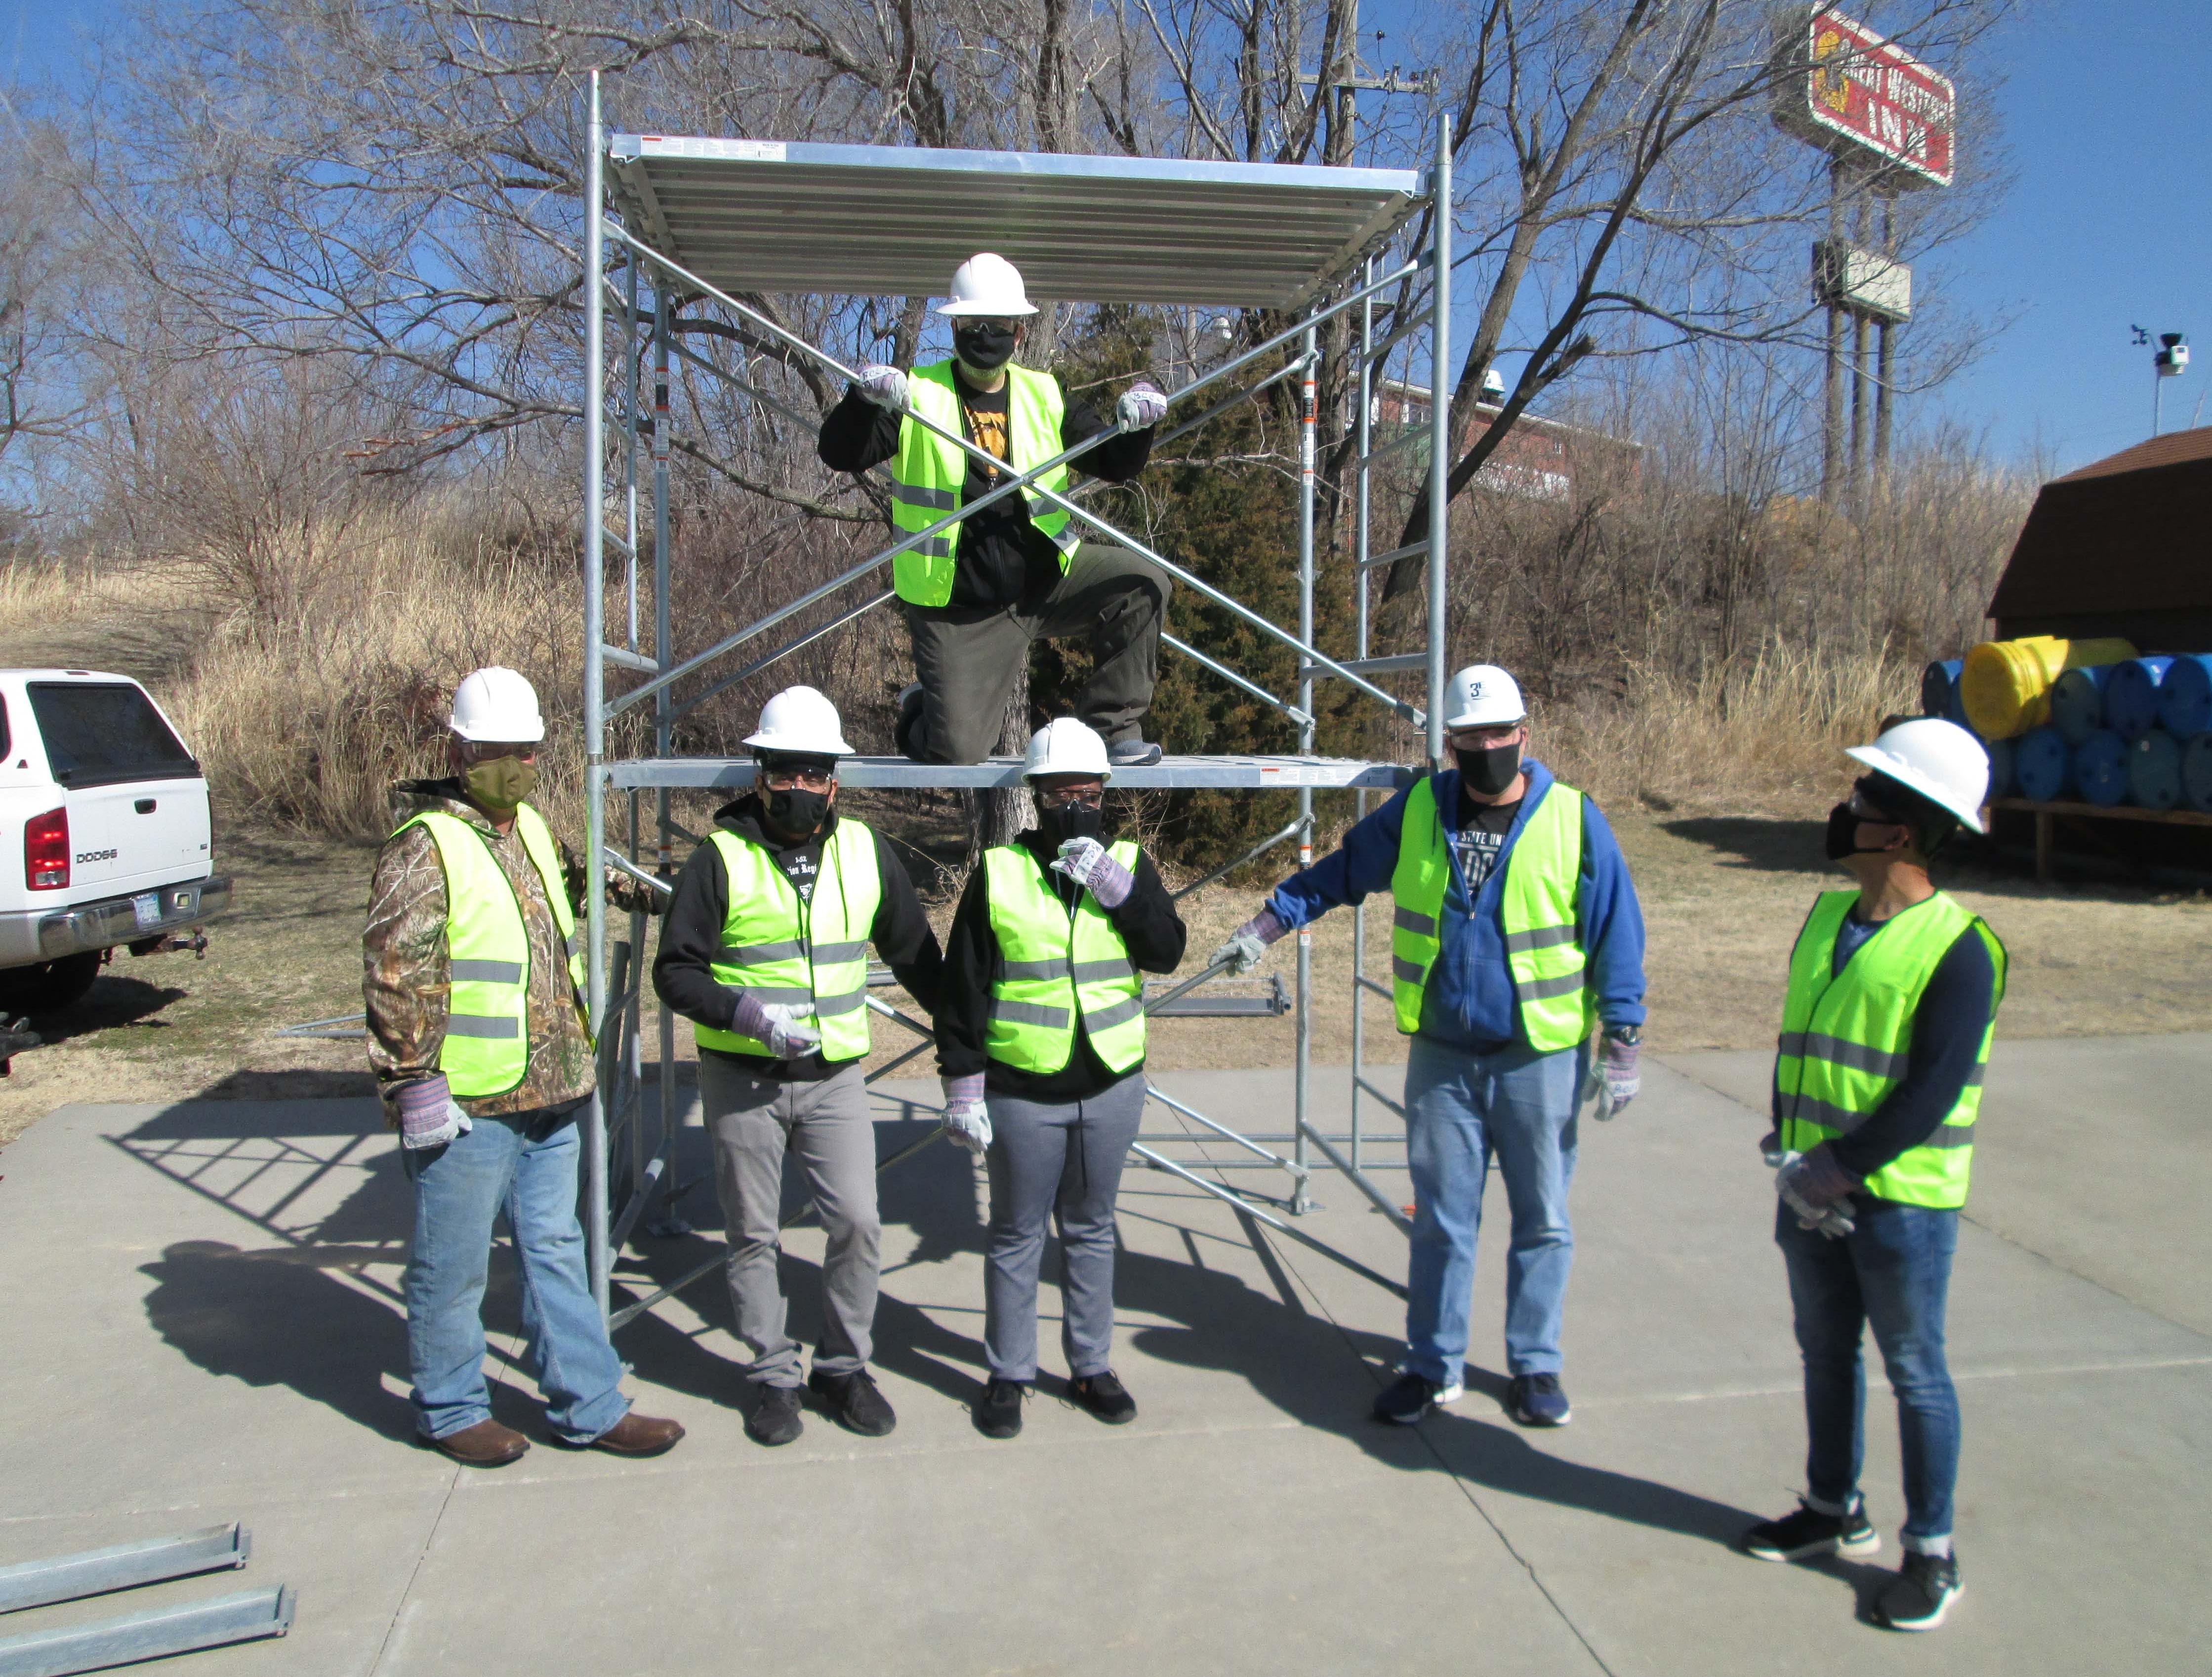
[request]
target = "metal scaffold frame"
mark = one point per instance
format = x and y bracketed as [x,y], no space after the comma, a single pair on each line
[1304,241]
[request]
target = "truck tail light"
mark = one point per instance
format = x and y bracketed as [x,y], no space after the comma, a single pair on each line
[46,851]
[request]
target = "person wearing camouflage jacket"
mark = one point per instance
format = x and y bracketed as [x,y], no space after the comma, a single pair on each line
[483,1054]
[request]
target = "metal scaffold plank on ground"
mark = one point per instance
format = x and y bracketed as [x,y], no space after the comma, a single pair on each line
[124,1566]
[245,1617]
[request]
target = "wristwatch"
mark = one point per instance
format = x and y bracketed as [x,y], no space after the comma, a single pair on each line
[1630,1035]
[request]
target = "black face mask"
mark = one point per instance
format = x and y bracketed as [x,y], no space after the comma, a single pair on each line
[1071,820]
[983,347]
[796,812]
[1489,771]
[1842,835]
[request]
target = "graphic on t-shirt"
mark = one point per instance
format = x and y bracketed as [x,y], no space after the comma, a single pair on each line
[1477,853]
[799,867]
[988,431]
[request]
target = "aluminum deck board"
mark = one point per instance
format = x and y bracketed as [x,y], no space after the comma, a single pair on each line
[764,216]
[1261,773]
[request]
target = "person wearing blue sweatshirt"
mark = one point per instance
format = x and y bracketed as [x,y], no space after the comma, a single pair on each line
[1516,932]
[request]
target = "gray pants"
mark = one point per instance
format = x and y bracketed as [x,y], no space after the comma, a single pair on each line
[1063,1162]
[967,660]
[752,1121]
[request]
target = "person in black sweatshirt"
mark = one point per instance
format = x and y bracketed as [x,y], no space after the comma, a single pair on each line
[765,950]
[1041,1045]
[979,592]
[1885,1028]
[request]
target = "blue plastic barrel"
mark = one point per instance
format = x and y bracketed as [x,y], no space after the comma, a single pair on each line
[2100,768]
[2001,778]
[2077,701]
[1939,691]
[2197,772]
[2042,766]
[2154,771]
[2131,696]
[2184,698]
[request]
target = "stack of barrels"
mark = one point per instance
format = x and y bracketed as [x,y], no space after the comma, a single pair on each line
[2087,720]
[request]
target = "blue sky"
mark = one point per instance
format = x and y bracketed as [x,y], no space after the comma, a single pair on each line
[2106,109]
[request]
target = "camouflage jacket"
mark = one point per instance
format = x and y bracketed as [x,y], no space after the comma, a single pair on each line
[404,958]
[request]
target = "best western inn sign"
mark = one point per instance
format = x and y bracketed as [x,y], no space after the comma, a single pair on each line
[1849,90]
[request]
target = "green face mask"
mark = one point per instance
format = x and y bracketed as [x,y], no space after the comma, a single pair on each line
[501,783]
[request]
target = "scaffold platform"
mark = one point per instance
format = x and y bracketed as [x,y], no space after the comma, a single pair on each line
[1170,774]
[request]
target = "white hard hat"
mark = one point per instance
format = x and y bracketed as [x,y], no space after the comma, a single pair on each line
[800,721]
[1938,759]
[988,285]
[1064,745]
[496,705]
[1482,696]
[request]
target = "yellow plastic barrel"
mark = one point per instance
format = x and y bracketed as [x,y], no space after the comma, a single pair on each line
[2005,685]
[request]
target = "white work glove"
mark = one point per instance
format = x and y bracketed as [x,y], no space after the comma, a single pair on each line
[1088,863]
[967,1123]
[1809,1186]
[1142,406]
[789,1031]
[428,1115]
[884,385]
[1247,944]
[1612,1072]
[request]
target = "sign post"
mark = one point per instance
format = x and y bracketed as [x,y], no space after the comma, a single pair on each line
[1890,125]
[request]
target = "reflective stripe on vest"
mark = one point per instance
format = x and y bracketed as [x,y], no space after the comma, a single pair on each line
[809,955]
[928,472]
[1053,962]
[487,1047]
[1845,1038]
[1543,938]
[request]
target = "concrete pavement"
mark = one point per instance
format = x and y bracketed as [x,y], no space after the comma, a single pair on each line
[202,1324]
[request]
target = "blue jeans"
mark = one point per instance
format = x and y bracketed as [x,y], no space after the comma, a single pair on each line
[524,1163]
[1894,1271]
[1461,1110]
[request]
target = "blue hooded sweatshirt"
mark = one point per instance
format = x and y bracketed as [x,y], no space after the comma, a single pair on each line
[1469,1003]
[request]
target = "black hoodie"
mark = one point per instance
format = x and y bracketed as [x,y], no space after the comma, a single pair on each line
[691,933]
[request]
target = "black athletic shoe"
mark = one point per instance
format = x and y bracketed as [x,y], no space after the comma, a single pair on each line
[909,713]
[1105,1397]
[1538,1400]
[855,1401]
[1410,1397]
[1137,753]
[998,1410]
[1808,1532]
[1921,1593]
[775,1419]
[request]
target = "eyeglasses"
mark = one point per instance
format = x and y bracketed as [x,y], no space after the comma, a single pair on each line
[490,751]
[1072,797]
[782,780]
[1482,738]
[1866,810]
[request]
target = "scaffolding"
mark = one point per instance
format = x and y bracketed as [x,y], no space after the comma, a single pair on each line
[716,220]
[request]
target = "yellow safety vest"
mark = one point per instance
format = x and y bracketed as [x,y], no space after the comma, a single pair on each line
[1543,934]
[1054,962]
[804,955]
[487,1047]
[1846,1038]
[928,472]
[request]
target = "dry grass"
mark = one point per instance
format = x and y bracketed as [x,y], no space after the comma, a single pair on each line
[1760,734]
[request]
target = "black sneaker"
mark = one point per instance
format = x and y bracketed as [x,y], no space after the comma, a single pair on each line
[998,1410]
[1538,1400]
[909,713]
[1105,1397]
[1808,1532]
[775,1419]
[1410,1397]
[1921,1593]
[855,1401]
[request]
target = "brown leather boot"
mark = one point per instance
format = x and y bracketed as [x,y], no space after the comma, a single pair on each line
[486,1444]
[639,1434]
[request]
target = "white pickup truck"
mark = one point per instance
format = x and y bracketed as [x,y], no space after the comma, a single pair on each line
[114,843]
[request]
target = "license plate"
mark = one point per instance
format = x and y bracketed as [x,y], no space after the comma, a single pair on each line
[147,906]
